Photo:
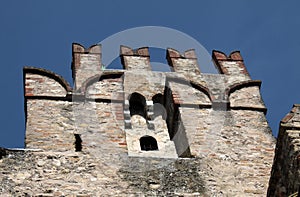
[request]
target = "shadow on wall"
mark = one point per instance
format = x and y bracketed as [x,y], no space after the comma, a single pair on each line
[163,177]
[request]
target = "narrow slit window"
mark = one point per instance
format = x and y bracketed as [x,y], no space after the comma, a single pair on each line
[77,143]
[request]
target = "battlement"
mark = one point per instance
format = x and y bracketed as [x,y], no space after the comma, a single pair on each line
[186,64]
[86,62]
[230,65]
[138,59]
[86,65]
[184,86]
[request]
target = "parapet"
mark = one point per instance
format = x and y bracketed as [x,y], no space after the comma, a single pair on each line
[87,70]
[186,63]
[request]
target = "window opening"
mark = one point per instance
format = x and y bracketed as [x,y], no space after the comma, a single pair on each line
[158,60]
[148,143]
[137,105]
[158,106]
[78,146]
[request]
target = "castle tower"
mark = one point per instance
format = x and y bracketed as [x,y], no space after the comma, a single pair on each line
[138,131]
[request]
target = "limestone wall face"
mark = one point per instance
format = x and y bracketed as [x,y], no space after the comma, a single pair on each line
[49,125]
[100,127]
[103,174]
[145,83]
[192,69]
[105,89]
[236,147]
[248,96]
[166,147]
[137,63]
[185,93]
[85,63]
[38,85]
[89,65]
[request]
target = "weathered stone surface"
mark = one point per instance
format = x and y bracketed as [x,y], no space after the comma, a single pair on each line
[83,174]
[137,63]
[191,69]
[234,68]
[86,63]
[137,59]
[285,178]
[166,147]
[37,85]
[186,94]
[105,89]
[233,165]
[50,124]
[248,96]
[89,65]
[146,83]
[185,64]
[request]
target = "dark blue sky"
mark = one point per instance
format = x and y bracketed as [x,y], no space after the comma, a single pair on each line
[40,34]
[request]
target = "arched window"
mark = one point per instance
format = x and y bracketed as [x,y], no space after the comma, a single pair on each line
[158,98]
[148,143]
[137,105]
[158,106]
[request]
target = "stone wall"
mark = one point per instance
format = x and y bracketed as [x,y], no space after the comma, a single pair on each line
[211,133]
[236,148]
[103,174]
[85,63]
[179,62]
[285,178]
[48,123]
[135,59]
[43,86]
